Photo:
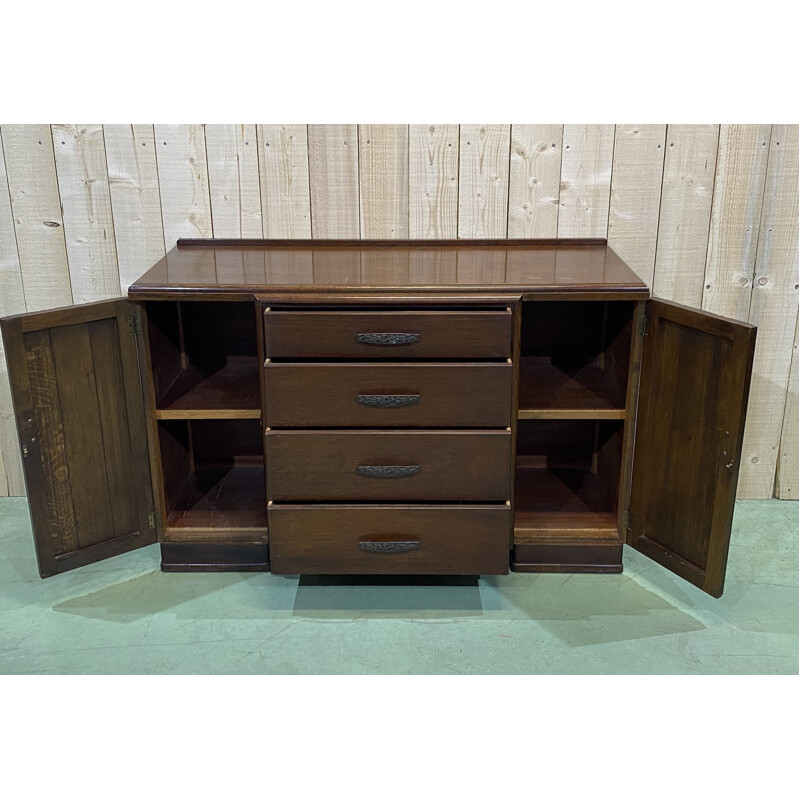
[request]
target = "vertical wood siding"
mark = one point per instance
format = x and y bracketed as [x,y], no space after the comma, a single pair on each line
[707,214]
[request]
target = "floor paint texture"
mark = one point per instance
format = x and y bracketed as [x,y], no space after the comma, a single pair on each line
[125,616]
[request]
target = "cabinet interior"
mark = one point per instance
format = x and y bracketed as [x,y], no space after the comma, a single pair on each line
[574,360]
[204,359]
[205,370]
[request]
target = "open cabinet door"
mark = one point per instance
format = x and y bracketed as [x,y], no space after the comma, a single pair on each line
[78,401]
[695,380]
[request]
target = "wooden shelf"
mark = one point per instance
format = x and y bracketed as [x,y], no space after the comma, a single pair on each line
[561,504]
[560,392]
[230,392]
[228,501]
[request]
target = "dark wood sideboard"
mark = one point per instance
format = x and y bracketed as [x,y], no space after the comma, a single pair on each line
[363,407]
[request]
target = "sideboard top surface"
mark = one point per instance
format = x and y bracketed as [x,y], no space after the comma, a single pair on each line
[537,268]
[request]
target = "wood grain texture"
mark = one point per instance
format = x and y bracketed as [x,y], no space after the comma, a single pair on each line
[450,540]
[636,195]
[79,405]
[135,200]
[36,205]
[786,482]
[12,301]
[483,181]
[333,175]
[773,308]
[86,208]
[451,334]
[12,292]
[534,181]
[433,181]
[183,182]
[139,173]
[233,180]
[687,188]
[442,466]
[586,160]
[62,528]
[735,219]
[383,179]
[692,401]
[283,166]
[79,402]
[441,395]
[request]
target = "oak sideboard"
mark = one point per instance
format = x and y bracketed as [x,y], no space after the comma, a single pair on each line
[375,407]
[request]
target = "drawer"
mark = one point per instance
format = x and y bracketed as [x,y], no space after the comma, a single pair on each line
[388,395]
[380,540]
[388,465]
[388,334]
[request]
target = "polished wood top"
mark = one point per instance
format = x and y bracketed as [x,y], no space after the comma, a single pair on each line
[541,268]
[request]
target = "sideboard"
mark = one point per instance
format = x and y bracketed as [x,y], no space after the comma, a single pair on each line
[376,407]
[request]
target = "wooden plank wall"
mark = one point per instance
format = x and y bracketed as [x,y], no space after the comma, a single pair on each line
[707,214]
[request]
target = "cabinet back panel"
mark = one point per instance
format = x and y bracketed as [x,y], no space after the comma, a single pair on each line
[214,331]
[227,441]
[577,332]
[594,446]
[562,331]
[556,443]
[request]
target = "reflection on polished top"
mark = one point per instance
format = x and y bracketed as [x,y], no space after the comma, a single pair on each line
[230,267]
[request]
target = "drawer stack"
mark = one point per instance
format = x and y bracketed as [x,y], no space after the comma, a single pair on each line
[388,438]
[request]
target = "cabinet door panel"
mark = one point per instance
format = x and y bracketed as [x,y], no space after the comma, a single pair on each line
[695,381]
[78,401]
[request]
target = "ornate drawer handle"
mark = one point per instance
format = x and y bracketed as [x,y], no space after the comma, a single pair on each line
[387,339]
[388,472]
[388,400]
[389,548]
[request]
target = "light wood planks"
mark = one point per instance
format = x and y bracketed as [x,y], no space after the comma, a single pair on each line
[586,160]
[735,219]
[333,175]
[283,166]
[36,205]
[483,181]
[773,308]
[687,188]
[86,208]
[422,181]
[636,195]
[135,199]
[233,180]
[383,180]
[534,181]
[786,479]
[433,181]
[12,301]
[183,182]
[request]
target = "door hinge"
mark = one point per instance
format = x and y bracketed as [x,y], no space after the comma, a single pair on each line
[627,520]
[151,520]
[643,325]
[135,324]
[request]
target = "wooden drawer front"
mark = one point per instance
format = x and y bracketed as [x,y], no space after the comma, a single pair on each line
[388,465]
[388,395]
[400,540]
[388,334]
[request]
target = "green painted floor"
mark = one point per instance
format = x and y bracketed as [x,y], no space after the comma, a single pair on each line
[125,616]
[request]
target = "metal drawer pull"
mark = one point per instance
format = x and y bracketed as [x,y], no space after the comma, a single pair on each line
[388,472]
[389,548]
[388,400]
[387,339]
